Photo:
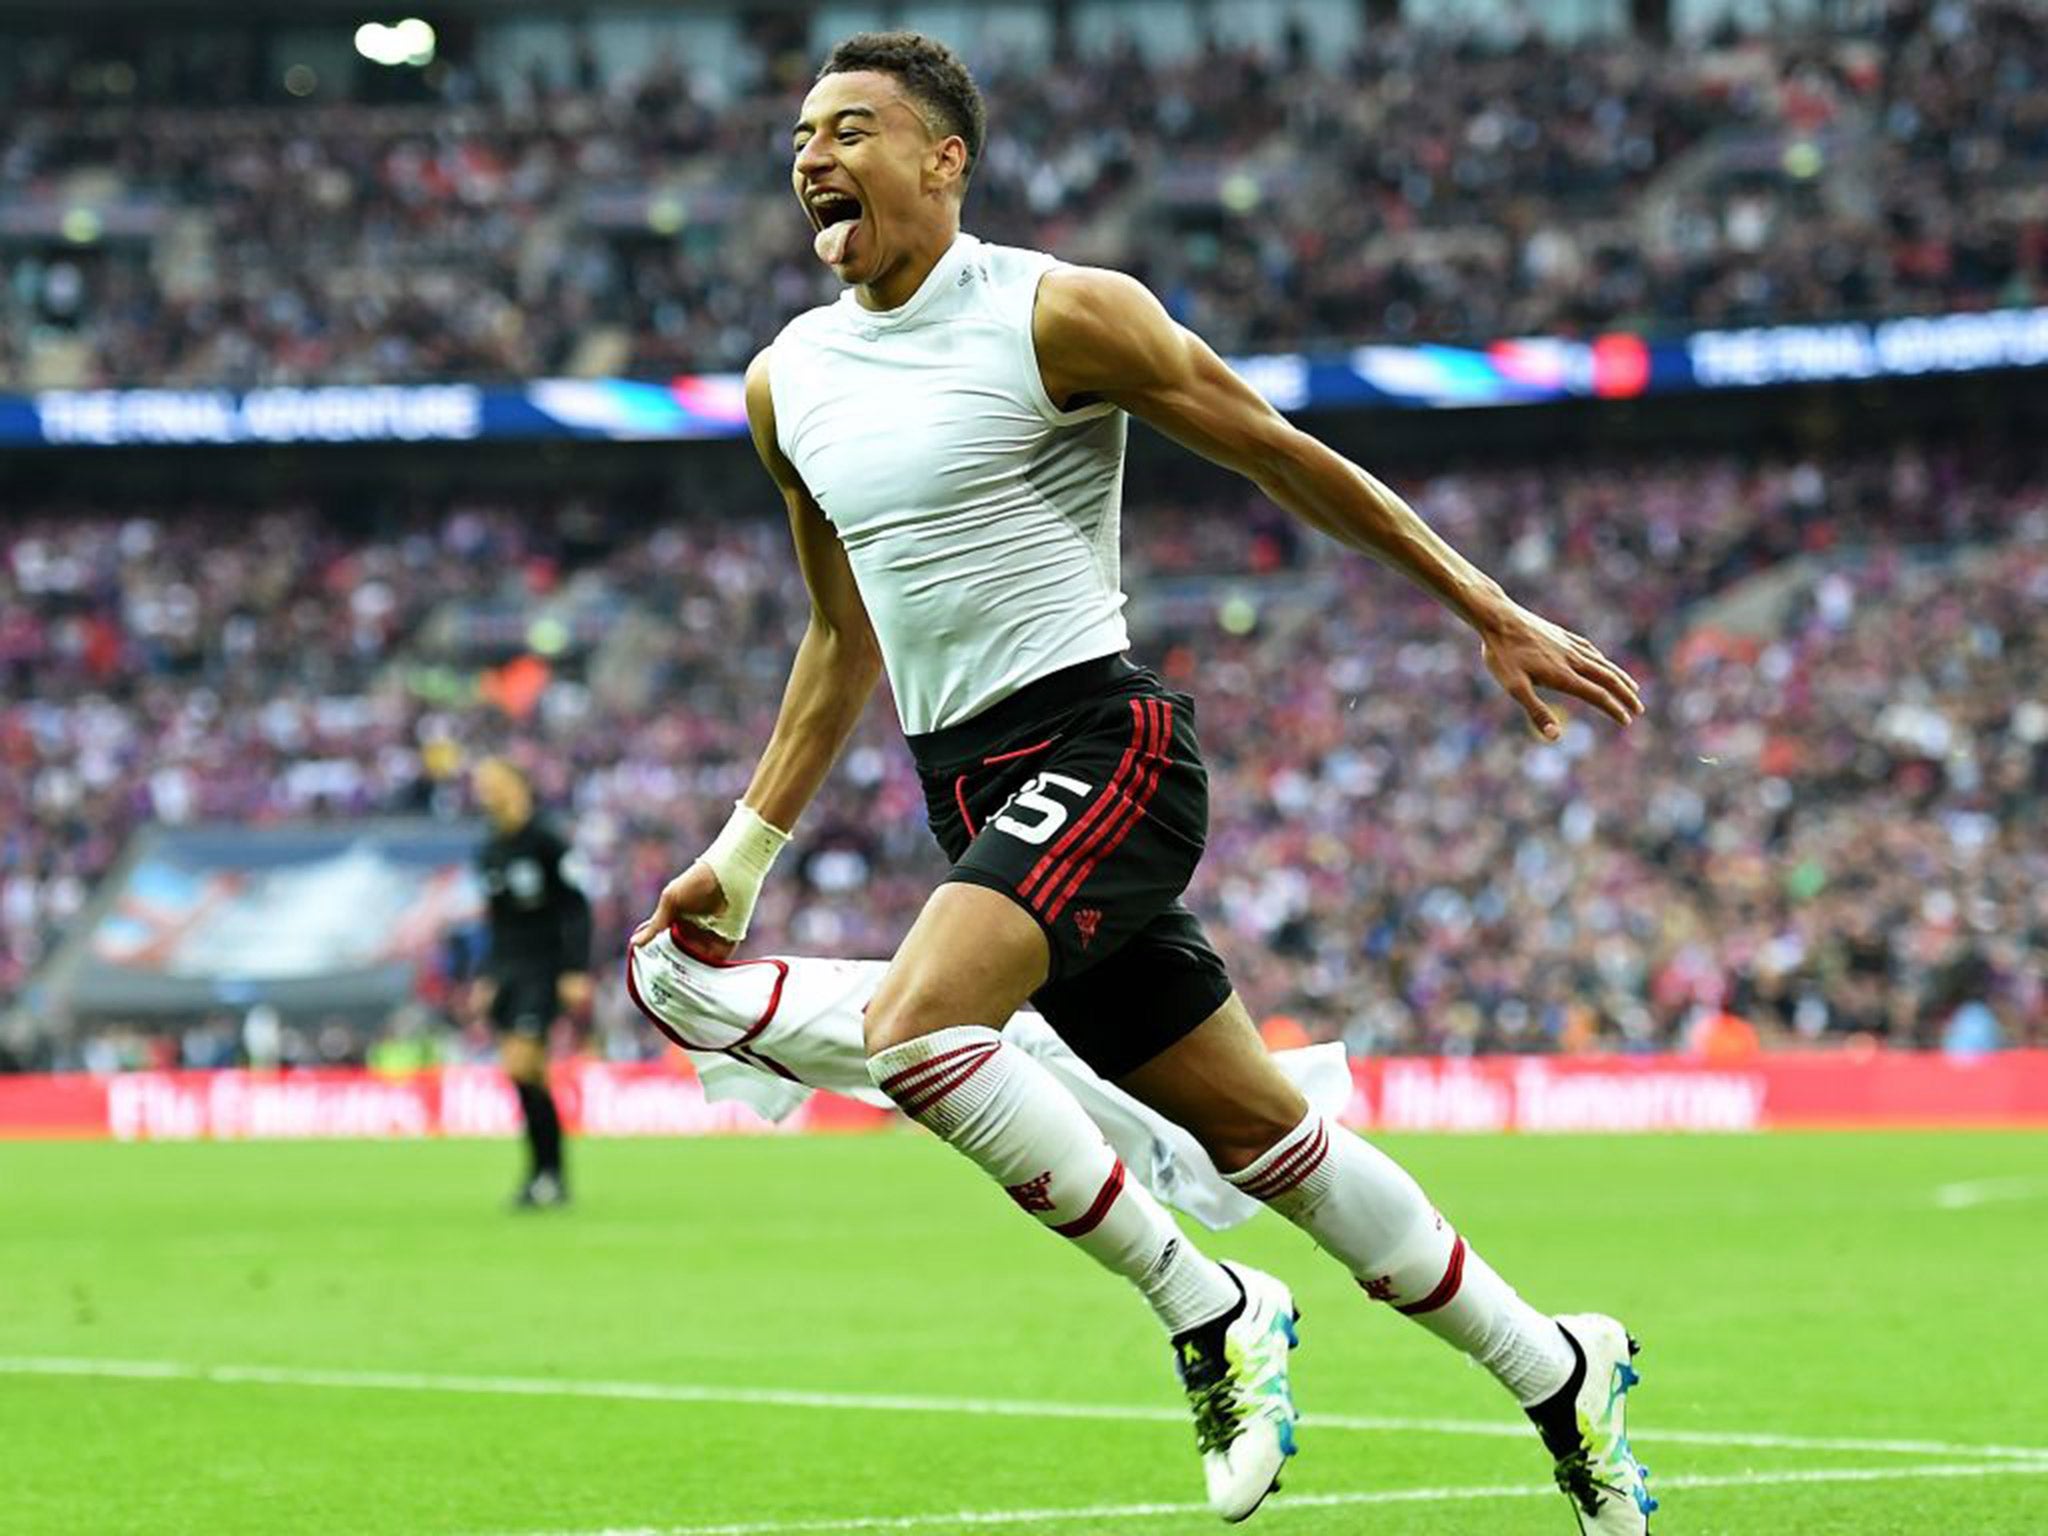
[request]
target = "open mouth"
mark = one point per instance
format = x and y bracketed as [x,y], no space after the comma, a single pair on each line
[829,208]
[837,215]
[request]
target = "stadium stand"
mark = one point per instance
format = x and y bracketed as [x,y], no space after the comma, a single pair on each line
[1824,827]
[1430,185]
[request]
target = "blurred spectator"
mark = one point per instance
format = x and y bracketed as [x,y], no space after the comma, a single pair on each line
[1828,825]
[1432,186]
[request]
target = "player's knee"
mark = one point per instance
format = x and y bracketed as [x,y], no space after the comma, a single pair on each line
[895,1017]
[917,998]
[1236,1135]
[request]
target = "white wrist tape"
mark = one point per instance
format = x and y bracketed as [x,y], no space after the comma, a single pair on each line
[741,857]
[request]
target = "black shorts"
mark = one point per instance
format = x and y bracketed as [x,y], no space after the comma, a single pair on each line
[526,1002]
[1082,797]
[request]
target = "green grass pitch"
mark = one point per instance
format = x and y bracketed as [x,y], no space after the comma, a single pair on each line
[431,1363]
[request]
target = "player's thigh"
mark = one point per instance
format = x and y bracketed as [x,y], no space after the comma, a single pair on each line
[1220,1083]
[972,957]
[1150,992]
[524,1057]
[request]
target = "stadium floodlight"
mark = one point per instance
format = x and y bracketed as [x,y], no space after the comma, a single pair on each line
[410,42]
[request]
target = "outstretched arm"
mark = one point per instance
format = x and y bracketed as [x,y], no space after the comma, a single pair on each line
[837,665]
[1103,336]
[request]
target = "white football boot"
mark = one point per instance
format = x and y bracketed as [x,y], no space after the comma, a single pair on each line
[1236,1380]
[1608,1488]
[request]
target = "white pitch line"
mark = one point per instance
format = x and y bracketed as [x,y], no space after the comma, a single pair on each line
[1975,1192]
[970,1407]
[958,1519]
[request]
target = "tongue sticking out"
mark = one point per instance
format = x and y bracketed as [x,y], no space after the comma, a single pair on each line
[832,240]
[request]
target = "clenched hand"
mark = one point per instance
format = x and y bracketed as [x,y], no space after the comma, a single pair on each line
[694,893]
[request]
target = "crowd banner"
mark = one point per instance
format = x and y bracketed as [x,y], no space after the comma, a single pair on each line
[1527,370]
[597,1098]
[1789,1091]
[1526,1094]
[325,917]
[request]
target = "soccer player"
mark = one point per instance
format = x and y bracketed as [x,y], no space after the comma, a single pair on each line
[949,438]
[539,961]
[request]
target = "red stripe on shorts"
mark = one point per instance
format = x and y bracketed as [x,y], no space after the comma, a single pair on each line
[1107,809]
[1008,757]
[1056,854]
[1119,827]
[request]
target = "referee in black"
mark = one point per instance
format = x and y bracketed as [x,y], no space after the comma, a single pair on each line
[539,961]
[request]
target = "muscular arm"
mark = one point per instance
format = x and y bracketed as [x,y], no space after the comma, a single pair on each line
[837,663]
[836,668]
[1101,335]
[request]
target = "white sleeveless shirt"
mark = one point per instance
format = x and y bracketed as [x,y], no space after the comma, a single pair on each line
[981,521]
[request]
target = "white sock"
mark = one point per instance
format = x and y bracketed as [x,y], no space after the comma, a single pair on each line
[1014,1121]
[1365,1211]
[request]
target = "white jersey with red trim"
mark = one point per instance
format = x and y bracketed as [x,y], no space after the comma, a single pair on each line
[981,520]
[786,1018]
[768,1031]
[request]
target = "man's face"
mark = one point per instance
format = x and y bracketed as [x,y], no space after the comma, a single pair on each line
[866,157]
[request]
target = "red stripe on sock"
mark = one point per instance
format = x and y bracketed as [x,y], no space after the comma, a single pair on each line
[1283,1158]
[1091,1218]
[1147,786]
[904,1081]
[1293,1166]
[930,1089]
[1056,854]
[1446,1288]
[1316,1160]
[928,1093]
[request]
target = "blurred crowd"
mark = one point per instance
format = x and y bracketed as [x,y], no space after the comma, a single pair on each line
[1826,828]
[1433,186]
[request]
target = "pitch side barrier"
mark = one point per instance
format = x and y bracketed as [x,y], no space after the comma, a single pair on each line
[1793,1091]
[1539,370]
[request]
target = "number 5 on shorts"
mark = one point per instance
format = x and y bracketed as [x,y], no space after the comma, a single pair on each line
[1032,797]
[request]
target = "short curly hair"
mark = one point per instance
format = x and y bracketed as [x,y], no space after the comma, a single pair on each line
[931,74]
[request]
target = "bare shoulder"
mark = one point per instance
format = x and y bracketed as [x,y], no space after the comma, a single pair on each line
[1097,331]
[1089,302]
[761,421]
[760,398]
